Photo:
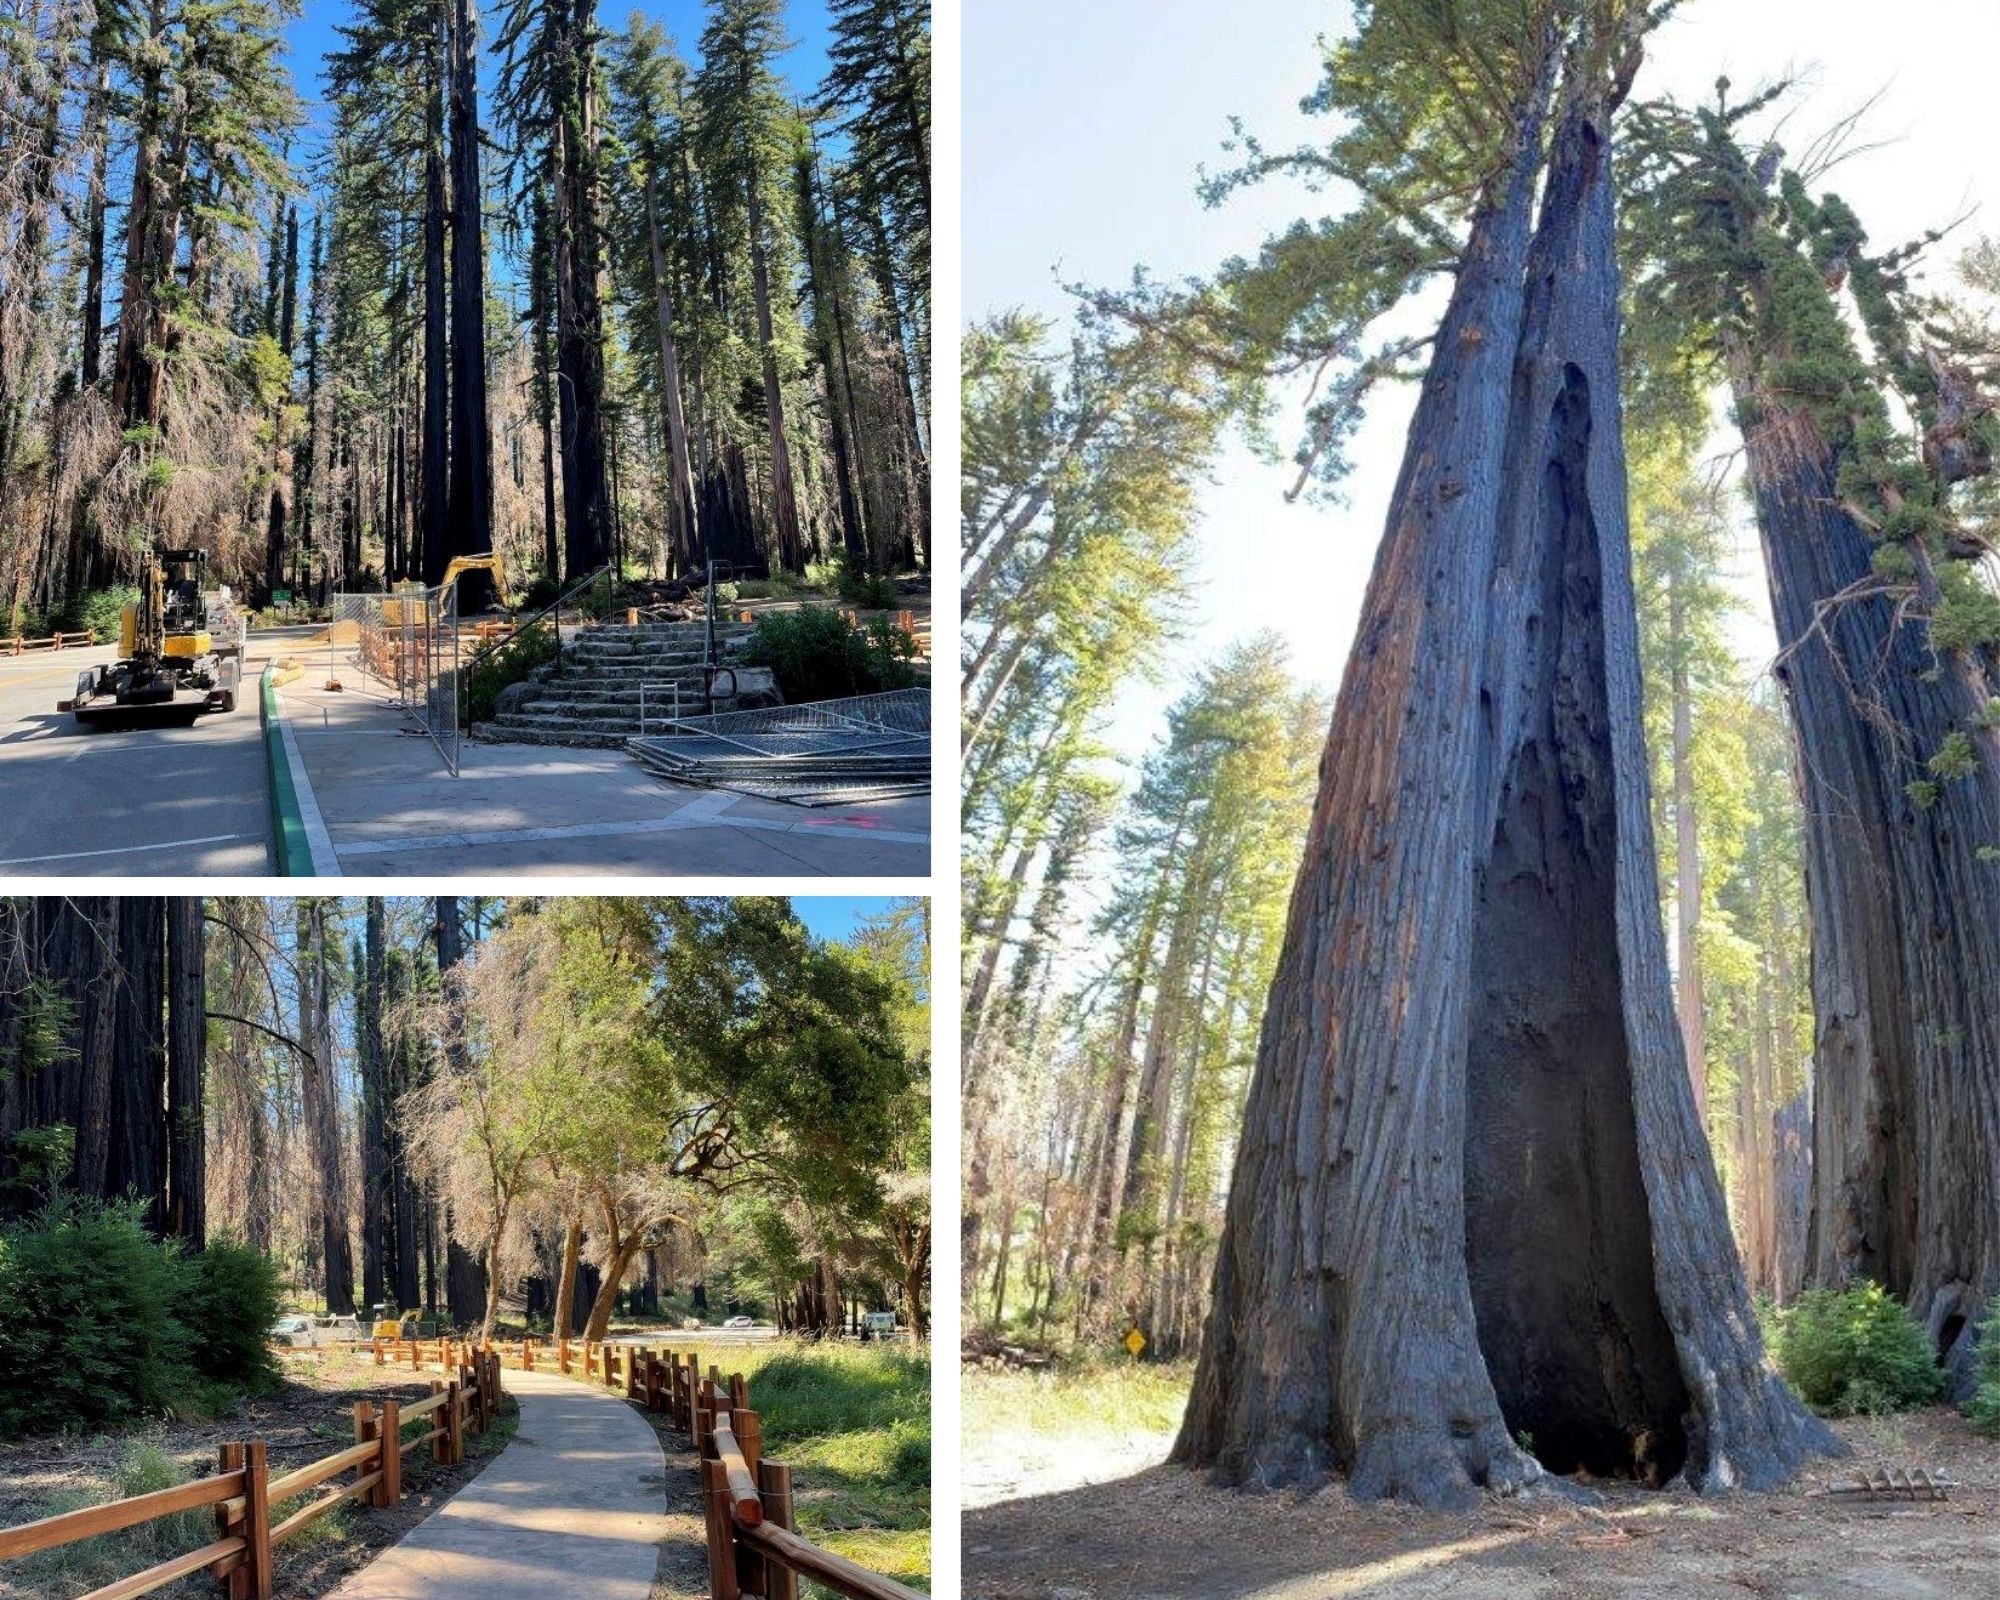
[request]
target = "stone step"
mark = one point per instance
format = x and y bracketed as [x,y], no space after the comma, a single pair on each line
[543,715]
[615,692]
[680,634]
[620,661]
[575,738]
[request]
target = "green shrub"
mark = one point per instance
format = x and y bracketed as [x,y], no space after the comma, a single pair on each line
[88,1334]
[229,1304]
[1856,1353]
[816,655]
[542,592]
[1984,1406]
[510,663]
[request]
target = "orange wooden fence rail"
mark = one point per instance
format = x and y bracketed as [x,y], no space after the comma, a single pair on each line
[243,1492]
[56,641]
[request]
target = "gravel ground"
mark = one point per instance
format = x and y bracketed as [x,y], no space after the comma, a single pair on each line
[1164,1534]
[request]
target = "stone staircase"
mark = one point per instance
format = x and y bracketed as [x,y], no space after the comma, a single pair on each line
[595,701]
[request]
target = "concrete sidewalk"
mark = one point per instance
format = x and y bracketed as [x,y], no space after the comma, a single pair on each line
[390,808]
[575,1505]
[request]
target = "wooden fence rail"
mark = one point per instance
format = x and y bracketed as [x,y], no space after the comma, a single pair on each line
[754,1550]
[243,1492]
[16,644]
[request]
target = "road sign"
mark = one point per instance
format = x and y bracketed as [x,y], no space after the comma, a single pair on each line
[1134,1342]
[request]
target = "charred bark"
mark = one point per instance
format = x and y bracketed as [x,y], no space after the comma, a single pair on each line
[185,1209]
[1470,1048]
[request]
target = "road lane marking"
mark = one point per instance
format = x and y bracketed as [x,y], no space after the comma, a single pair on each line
[126,849]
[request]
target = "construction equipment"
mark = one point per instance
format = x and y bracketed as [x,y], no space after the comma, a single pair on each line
[414,594]
[180,650]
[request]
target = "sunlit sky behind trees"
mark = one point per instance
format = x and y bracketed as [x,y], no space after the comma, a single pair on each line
[311,35]
[1081,163]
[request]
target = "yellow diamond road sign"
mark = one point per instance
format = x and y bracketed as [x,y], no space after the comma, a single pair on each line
[1135,1341]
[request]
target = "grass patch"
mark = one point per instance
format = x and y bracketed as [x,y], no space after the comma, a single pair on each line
[74,1569]
[1091,1394]
[853,1422]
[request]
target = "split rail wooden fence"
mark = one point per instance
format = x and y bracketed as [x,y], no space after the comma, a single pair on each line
[16,645]
[754,1550]
[243,1492]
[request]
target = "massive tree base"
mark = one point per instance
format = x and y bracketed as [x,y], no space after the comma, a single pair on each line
[1475,1236]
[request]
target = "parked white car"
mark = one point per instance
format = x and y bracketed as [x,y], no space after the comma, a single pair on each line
[301,1332]
[740,1322]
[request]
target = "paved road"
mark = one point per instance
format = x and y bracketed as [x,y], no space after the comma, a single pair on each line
[147,801]
[574,1506]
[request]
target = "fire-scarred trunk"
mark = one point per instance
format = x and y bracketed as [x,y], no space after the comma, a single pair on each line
[1473,1201]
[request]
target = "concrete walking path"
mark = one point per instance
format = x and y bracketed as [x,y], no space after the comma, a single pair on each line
[575,1505]
[391,809]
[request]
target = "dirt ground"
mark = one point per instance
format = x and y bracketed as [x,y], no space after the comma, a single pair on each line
[309,1417]
[1162,1534]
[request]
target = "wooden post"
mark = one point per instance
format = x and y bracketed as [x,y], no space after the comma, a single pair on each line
[739,1391]
[415,1356]
[441,1426]
[653,1381]
[377,1345]
[257,1519]
[722,1583]
[562,1356]
[391,1486]
[587,1368]
[527,1356]
[237,1585]
[774,1490]
[454,1424]
[635,1380]
[367,1429]
[749,1436]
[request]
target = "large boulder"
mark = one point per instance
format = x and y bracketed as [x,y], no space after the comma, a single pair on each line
[514,697]
[756,688]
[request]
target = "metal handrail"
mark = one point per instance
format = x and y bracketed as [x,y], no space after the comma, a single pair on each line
[520,628]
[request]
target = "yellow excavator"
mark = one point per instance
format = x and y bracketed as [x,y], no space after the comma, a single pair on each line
[415,593]
[180,651]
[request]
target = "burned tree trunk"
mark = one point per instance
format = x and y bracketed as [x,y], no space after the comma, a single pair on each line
[1905,916]
[322,1105]
[1473,1201]
[187,1048]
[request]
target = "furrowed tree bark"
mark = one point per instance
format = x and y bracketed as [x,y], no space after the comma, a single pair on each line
[1687,854]
[1470,1049]
[1905,916]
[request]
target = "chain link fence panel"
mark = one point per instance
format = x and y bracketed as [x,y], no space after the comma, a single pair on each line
[407,642]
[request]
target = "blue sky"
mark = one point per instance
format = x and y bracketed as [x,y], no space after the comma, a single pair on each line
[835,916]
[311,36]
[1086,128]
